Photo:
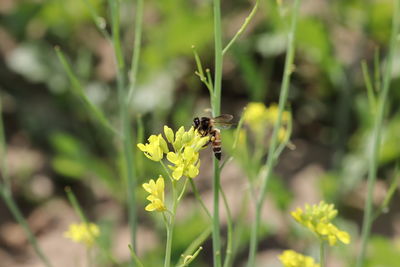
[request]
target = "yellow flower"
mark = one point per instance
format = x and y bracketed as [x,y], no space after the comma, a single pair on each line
[186,163]
[255,116]
[290,258]
[272,114]
[156,197]
[186,156]
[259,118]
[85,233]
[318,219]
[156,147]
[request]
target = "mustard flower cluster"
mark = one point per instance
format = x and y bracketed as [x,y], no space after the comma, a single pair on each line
[84,233]
[290,258]
[318,219]
[156,197]
[259,118]
[183,156]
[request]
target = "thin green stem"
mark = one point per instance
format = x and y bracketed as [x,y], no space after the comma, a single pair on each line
[189,258]
[368,86]
[322,254]
[199,199]
[136,49]
[170,227]
[242,28]
[89,257]
[97,19]
[4,177]
[197,242]
[78,209]
[216,109]
[5,193]
[228,253]
[181,194]
[377,71]
[377,133]
[274,139]
[166,171]
[79,92]
[12,206]
[389,195]
[124,119]
[206,80]
[134,257]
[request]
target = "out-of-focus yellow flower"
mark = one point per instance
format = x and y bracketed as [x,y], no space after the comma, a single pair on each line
[259,118]
[272,114]
[156,147]
[290,258]
[156,197]
[256,116]
[84,233]
[318,219]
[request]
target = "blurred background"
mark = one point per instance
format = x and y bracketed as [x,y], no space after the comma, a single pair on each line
[53,142]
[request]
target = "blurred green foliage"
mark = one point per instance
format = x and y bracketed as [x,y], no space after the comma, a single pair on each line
[328,97]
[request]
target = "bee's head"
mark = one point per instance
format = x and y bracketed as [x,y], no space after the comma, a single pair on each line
[196,123]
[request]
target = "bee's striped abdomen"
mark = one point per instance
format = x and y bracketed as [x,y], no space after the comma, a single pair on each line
[216,143]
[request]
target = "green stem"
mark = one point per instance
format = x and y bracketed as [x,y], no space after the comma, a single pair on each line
[376,138]
[5,193]
[136,48]
[134,257]
[216,108]
[12,206]
[79,92]
[273,145]
[197,242]
[216,230]
[242,28]
[228,253]
[170,227]
[198,197]
[4,177]
[78,209]
[124,119]
[322,254]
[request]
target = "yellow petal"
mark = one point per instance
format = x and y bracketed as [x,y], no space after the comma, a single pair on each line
[193,171]
[177,173]
[163,144]
[343,237]
[169,134]
[173,157]
[141,147]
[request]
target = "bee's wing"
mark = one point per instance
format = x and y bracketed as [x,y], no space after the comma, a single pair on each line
[223,121]
[223,118]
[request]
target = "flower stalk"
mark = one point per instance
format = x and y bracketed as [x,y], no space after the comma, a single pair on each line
[322,254]
[274,139]
[377,135]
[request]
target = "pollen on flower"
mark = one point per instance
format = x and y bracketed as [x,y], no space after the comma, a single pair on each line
[318,219]
[290,258]
[156,197]
[84,233]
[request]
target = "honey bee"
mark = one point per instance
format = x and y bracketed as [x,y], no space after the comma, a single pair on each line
[207,126]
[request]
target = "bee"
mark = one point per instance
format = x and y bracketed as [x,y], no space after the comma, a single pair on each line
[206,126]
